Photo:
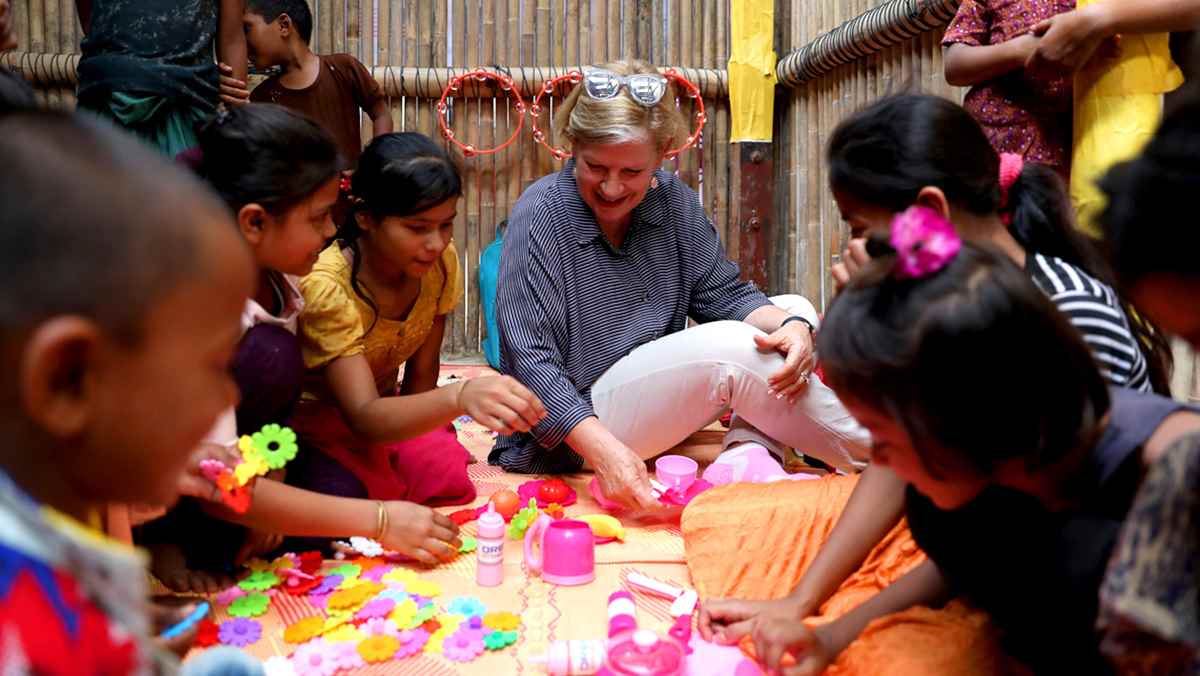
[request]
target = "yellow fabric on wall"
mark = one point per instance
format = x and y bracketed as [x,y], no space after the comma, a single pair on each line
[1118,105]
[752,70]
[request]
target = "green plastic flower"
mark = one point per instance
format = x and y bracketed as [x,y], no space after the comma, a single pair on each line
[468,545]
[499,640]
[250,605]
[424,614]
[347,571]
[276,445]
[259,580]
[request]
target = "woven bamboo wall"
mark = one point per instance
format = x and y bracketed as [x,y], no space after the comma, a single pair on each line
[807,114]
[428,35]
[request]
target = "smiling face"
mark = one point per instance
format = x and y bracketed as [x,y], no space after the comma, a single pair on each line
[411,243]
[291,242]
[892,447]
[613,177]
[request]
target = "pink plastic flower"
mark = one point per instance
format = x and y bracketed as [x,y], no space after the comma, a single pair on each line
[346,654]
[411,642]
[375,609]
[315,658]
[924,242]
[380,626]
[228,596]
[462,646]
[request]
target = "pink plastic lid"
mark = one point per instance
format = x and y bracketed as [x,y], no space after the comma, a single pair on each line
[491,524]
[645,654]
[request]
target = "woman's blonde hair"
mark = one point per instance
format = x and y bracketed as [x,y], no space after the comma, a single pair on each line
[582,119]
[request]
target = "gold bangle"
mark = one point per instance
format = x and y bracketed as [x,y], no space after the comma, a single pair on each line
[381,521]
[458,397]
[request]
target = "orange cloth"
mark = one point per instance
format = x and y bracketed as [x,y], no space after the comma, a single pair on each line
[754,541]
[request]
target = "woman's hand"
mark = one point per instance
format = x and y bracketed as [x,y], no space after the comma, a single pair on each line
[795,341]
[622,476]
[776,627]
[854,258]
[1068,40]
[233,91]
[501,404]
[418,531]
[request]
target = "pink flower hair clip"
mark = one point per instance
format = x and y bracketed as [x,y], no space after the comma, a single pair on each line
[924,241]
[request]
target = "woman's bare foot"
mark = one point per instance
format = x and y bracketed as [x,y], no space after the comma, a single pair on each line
[170,567]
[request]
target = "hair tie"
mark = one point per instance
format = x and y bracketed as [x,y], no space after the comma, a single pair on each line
[222,116]
[1011,165]
[924,241]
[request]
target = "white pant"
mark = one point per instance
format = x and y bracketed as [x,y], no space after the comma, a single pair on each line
[663,391]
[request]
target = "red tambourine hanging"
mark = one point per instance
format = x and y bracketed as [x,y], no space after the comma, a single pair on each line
[575,77]
[480,75]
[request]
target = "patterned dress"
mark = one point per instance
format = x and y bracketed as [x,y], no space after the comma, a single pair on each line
[1020,113]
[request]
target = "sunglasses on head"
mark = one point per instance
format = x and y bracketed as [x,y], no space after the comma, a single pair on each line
[645,88]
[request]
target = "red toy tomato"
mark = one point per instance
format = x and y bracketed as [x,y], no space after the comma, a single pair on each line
[553,490]
[506,502]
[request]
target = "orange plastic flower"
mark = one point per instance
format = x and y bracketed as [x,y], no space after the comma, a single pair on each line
[304,630]
[379,648]
[352,598]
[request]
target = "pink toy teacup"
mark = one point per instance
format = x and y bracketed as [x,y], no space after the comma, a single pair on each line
[676,472]
[566,551]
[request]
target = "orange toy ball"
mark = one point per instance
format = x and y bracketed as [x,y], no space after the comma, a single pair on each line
[506,503]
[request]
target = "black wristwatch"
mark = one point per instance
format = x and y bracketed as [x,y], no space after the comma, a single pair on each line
[796,318]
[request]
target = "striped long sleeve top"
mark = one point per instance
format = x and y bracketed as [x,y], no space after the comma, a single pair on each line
[569,304]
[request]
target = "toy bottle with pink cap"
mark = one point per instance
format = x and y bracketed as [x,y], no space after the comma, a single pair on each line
[489,571]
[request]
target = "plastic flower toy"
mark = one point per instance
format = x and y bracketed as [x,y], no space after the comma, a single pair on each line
[315,658]
[347,633]
[393,594]
[462,647]
[522,520]
[328,585]
[424,614]
[366,546]
[423,588]
[451,621]
[402,576]
[376,608]
[347,571]
[279,666]
[499,640]
[304,630]
[466,606]
[228,596]
[924,241]
[299,586]
[250,605]
[468,545]
[502,621]
[380,626]
[207,634]
[240,632]
[259,580]
[310,562]
[379,648]
[256,565]
[275,445]
[354,597]
[404,614]
[376,573]
[412,642]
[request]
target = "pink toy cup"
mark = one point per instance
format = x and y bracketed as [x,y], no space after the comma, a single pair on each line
[676,471]
[566,551]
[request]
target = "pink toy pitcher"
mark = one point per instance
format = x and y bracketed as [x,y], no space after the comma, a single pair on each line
[566,551]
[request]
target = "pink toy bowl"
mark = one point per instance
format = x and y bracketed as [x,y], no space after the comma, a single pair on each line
[676,472]
[566,551]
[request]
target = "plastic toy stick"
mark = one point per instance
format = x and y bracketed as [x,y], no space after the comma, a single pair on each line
[649,584]
[186,623]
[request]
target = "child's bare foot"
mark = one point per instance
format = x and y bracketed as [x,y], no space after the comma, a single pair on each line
[170,567]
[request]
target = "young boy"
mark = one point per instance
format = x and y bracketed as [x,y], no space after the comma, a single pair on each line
[122,281]
[329,89]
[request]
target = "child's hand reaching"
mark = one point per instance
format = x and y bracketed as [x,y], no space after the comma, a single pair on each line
[163,617]
[193,483]
[500,403]
[418,531]
[781,639]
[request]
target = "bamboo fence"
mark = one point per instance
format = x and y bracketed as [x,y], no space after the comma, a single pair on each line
[414,46]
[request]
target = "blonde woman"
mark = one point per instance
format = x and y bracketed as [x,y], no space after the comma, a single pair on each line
[603,264]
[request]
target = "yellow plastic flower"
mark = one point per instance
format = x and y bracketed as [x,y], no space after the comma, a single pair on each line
[502,621]
[450,622]
[347,633]
[403,613]
[402,576]
[379,648]
[423,588]
[436,641]
[335,620]
[260,566]
[303,630]
[354,597]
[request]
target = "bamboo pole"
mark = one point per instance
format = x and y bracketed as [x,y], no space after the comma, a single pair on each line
[516,159]
[573,52]
[617,31]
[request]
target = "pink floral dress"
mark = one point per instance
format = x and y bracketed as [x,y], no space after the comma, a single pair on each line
[1022,114]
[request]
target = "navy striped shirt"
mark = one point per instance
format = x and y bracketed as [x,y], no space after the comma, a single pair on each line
[570,305]
[1093,308]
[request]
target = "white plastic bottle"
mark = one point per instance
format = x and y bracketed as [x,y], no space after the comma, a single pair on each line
[573,658]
